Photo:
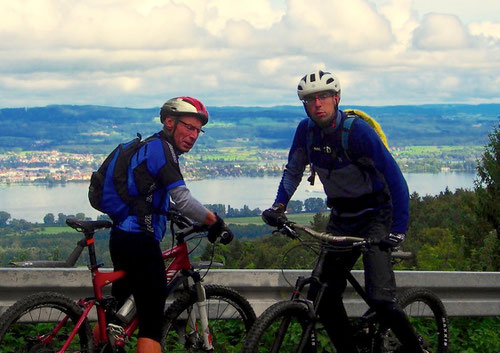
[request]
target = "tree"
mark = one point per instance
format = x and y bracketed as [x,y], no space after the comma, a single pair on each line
[49,219]
[295,206]
[61,218]
[4,217]
[315,204]
[488,184]
[319,222]
[220,209]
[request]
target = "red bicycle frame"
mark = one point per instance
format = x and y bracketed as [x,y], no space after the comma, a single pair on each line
[180,255]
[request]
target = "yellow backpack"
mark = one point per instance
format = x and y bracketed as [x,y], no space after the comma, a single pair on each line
[351,115]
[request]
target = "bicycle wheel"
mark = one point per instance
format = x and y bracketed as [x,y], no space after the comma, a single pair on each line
[280,329]
[428,316]
[230,316]
[30,325]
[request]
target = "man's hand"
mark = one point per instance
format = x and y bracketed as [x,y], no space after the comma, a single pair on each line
[220,229]
[393,240]
[275,216]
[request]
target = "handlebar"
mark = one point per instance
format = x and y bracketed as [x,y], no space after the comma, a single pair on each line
[188,227]
[289,229]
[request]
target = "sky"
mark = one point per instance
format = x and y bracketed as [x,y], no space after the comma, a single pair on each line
[139,53]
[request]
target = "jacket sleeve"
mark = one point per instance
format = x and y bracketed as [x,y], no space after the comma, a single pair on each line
[187,204]
[366,142]
[294,169]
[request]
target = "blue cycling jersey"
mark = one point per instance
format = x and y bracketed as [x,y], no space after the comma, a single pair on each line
[155,162]
[363,178]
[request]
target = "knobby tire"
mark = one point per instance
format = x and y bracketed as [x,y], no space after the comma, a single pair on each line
[28,319]
[264,337]
[230,317]
[428,316]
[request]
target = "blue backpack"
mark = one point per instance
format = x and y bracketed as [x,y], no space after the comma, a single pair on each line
[108,190]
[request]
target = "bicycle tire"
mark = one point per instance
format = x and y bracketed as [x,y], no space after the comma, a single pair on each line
[428,316]
[227,335]
[24,323]
[263,334]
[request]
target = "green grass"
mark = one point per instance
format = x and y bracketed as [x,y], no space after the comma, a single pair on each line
[437,150]
[54,230]
[303,218]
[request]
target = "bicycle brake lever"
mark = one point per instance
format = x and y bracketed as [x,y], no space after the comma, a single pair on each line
[288,231]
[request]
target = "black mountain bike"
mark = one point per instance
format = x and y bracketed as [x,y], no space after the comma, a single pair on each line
[293,325]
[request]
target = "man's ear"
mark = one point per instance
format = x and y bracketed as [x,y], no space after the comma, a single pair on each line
[336,98]
[169,123]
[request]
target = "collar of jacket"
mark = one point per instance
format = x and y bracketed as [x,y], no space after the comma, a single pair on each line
[167,136]
[327,130]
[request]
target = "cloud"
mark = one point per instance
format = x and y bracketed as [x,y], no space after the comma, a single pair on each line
[247,52]
[441,32]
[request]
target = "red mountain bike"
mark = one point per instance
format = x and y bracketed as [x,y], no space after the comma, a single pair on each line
[202,318]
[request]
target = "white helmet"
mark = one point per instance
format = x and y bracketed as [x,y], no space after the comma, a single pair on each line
[318,81]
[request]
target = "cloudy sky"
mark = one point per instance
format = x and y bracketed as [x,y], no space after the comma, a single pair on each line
[138,53]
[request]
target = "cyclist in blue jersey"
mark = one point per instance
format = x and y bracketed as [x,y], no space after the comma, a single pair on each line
[368,197]
[135,242]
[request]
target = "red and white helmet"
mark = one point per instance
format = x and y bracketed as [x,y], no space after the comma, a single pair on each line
[318,81]
[179,106]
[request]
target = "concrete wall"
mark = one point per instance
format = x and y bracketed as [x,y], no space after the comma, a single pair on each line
[463,293]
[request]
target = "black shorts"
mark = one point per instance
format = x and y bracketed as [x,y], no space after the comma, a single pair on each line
[139,255]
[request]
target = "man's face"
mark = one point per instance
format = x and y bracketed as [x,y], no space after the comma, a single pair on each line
[186,132]
[322,107]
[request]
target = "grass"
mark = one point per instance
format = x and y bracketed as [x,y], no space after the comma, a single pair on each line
[438,150]
[54,230]
[303,218]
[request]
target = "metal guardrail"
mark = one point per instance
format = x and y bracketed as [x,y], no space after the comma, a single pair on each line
[463,293]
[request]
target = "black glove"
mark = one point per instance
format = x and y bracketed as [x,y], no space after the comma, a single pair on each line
[275,216]
[393,240]
[220,229]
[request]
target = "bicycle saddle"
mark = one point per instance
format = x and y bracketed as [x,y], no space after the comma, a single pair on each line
[87,226]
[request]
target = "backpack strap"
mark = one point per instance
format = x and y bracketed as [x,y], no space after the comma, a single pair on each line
[346,130]
[309,140]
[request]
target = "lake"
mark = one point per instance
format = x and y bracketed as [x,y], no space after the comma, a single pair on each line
[33,202]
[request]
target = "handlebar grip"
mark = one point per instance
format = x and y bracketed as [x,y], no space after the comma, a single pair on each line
[226,236]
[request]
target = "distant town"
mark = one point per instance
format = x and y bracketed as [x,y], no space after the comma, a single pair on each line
[61,167]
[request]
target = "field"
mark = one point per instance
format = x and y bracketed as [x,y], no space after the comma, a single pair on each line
[303,218]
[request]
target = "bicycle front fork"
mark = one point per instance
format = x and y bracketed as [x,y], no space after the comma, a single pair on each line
[202,305]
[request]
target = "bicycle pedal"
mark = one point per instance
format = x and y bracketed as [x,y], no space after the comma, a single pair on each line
[117,336]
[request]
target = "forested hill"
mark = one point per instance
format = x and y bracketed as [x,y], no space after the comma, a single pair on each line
[97,128]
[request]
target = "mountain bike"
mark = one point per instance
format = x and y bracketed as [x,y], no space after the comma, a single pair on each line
[294,326]
[201,318]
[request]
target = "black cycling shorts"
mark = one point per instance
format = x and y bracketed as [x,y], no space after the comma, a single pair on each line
[139,254]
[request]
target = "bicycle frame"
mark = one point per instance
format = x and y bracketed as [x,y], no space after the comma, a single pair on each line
[180,268]
[313,306]
[301,282]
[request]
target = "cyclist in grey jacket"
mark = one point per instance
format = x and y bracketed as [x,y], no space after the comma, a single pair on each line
[368,197]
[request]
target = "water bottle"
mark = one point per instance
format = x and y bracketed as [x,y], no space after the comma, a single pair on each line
[127,311]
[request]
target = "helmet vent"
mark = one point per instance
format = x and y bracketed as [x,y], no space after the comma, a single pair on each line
[313,77]
[330,80]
